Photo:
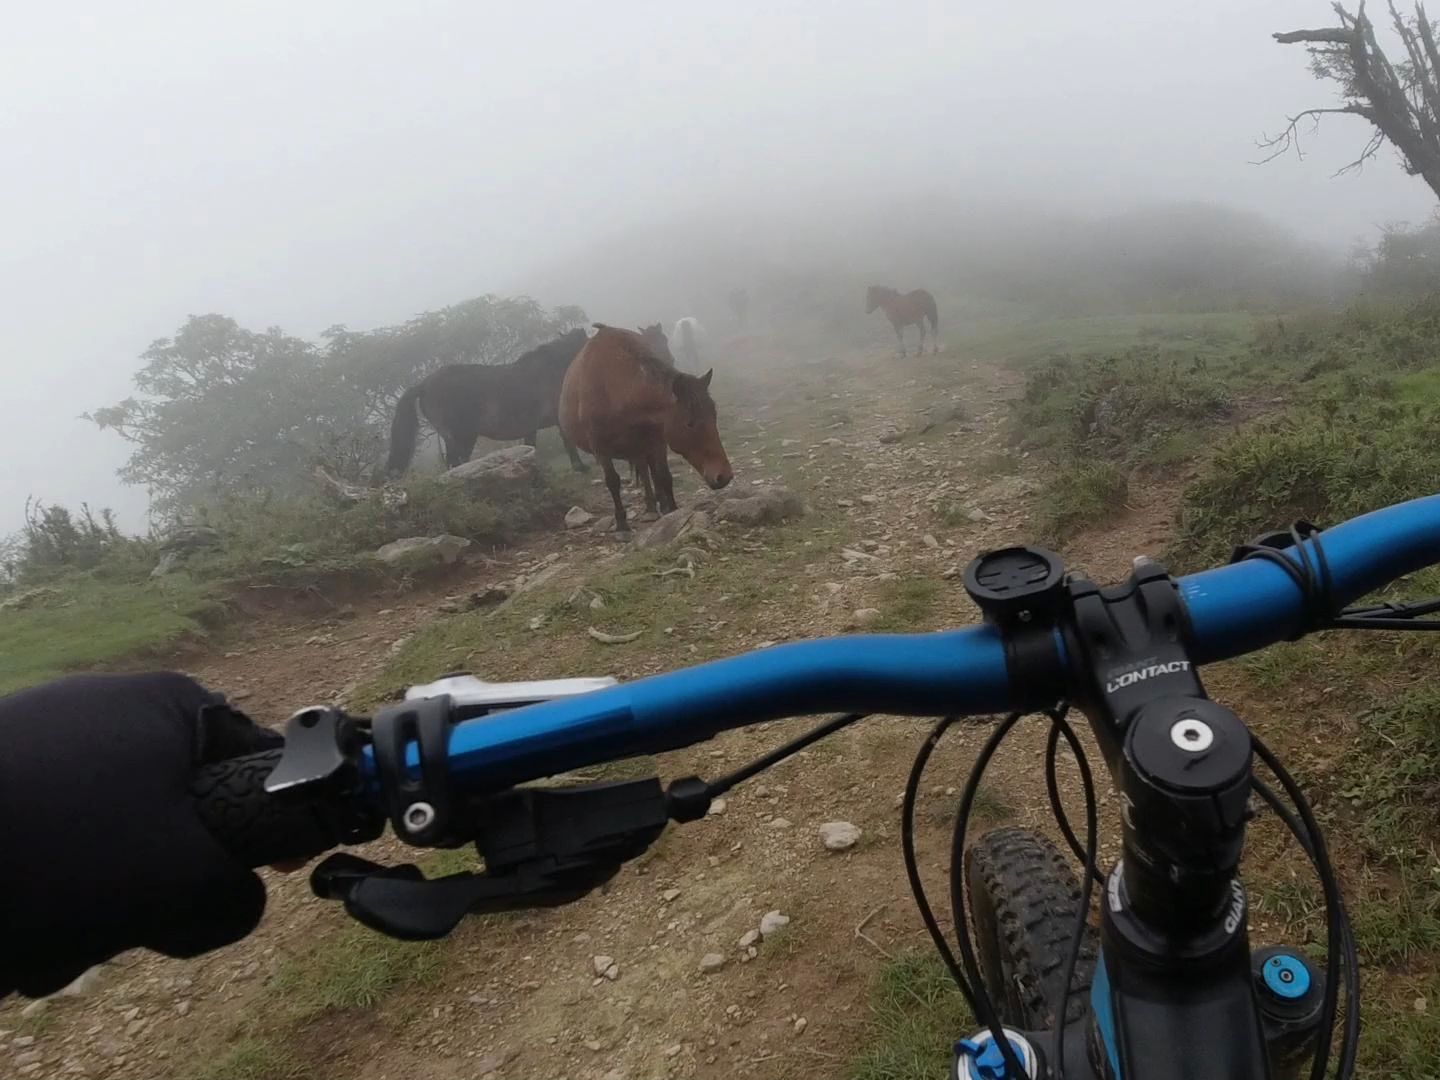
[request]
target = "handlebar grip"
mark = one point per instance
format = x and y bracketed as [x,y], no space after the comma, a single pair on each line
[253,825]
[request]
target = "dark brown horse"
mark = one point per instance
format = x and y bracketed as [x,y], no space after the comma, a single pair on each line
[499,401]
[911,309]
[621,400]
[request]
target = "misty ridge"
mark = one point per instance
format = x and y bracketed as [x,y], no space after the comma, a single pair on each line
[228,418]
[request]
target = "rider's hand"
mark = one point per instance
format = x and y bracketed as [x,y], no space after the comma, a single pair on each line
[101,849]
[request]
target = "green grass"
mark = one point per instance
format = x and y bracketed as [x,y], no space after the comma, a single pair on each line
[94,624]
[1080,494]
[907,603]
[916,1014]
[251,1058]
[1024,341]
[729,585]
[353,969]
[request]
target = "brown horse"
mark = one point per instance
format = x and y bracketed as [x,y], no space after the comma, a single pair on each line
[911,309]
[499,401]
[621,400]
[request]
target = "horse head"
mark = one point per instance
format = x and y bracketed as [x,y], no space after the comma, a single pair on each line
[875,295]
[654,336]
[692,431]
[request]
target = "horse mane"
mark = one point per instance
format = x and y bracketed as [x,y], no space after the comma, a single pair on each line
[555,350]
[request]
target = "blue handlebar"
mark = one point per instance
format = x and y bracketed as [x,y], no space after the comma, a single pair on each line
[1233,610]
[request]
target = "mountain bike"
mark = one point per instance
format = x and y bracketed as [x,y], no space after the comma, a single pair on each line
[1166,986]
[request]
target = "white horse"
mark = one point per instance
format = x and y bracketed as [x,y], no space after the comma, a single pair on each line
[688,343]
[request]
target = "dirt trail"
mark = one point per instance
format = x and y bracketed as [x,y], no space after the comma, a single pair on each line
[872,444]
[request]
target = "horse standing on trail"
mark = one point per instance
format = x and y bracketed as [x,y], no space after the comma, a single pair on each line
[689,337]
[499,401]
[621,400]
[911,309]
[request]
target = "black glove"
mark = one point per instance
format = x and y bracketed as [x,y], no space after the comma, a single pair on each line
[101,849]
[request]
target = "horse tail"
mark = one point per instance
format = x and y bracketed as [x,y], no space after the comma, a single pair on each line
[403,430]
[932,313]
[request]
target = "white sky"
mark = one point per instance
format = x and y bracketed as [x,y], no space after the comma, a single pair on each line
[303,164]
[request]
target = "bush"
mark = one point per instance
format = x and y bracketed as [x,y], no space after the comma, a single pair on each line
[1123,405]
[273,534]
[1324,462]
[56,540]
[1081,493]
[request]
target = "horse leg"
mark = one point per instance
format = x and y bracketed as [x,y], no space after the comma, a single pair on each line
[575,462]
[921,351]
[461,449]
[664,481]
[899,338]
[642,469]
[612,481]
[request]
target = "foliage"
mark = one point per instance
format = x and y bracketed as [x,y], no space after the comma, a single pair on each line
[223,410]
[916,1013]
[1080,493]
[1404,264]
[1325,462]
[55,540]
[1115,405]
[264,533]
[85,622]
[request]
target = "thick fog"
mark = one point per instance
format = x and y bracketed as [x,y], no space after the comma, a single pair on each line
[354,162]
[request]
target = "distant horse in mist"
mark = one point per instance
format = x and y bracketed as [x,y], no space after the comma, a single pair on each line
[911,309]
[498,401]
[689,343]
[622,400]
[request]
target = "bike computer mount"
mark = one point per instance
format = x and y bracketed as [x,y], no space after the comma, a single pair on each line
[541,846]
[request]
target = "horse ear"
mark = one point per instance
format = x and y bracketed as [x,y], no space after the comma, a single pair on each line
[705,379]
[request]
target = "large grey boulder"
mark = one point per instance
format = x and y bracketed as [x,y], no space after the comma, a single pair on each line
[768,506]
[416,552]
[496,473]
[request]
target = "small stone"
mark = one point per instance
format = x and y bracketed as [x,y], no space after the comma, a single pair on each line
[870,500]
[614,1074]
[865,616]
[1420,1004]
[182,1008]
[35,1008]
[839,835]
[717,807]
[750,937]
[712,962]
[23,1041]
[29,1070]
[28,1058]
[673,1051]
[134,1028]
[929,541]
[537,622]
[594,1045]
[577,517]
[892,435]
[669,895]
[801,1024]
[779,823]
[606,967]
[977,516]
[130,1014]
[771,923]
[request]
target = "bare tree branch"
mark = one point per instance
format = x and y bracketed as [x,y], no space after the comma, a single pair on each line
[1289,138]
[1335,35]
[1401,102]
